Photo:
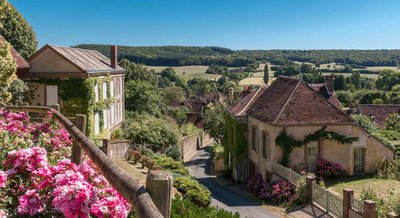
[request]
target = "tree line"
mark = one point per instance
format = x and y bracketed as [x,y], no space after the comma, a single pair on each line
[194,55]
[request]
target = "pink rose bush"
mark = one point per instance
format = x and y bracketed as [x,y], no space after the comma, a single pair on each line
[36,178]
[327,169]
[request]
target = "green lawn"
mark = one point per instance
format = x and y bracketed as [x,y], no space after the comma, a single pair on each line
[380,186]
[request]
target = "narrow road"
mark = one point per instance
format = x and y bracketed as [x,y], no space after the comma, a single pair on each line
[223,196]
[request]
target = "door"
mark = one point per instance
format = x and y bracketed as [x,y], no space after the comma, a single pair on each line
[312,155]
[359,160]
[51,95]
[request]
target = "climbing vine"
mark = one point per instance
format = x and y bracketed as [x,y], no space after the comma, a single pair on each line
[287,142]
[78,97]
[234,140]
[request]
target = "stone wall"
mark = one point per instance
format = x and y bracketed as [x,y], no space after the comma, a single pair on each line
[116,149]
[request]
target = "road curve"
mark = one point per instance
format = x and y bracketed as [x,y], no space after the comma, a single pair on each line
[223,196]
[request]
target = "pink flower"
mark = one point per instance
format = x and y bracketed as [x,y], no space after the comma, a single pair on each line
[3,179]
[30,203]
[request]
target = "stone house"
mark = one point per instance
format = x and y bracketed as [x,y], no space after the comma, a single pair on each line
[300,109]
[81,81]
[378,112]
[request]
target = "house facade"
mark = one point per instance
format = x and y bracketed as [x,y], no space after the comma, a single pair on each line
[300,109]
[81,81]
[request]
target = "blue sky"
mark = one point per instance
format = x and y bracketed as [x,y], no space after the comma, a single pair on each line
[244,24]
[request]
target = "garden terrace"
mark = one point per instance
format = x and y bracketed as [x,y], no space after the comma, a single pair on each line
[130,189]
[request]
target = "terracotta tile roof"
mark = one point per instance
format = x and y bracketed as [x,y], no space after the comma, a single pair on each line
[323,90]
[378,112]
[241,107]
[89,61]
[20,61]
[290,101]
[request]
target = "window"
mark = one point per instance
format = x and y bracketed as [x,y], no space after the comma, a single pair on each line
[112,115]
[96,92]
[254,138]
[112,88]
[105,120]
[266,145]
[104,90]
[51,95]
[96,123]
[117,90]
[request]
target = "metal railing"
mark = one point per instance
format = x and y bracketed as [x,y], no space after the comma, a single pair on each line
[129,188]
[287,174]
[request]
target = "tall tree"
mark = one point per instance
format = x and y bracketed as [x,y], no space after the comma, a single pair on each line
[7,71]
[266,74]
[15,29]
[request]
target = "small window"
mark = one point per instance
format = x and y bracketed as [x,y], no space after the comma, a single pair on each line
[112,88]
[266,145]
[254,138]
[96,123]
[105,119]
[96,92]
[104,90]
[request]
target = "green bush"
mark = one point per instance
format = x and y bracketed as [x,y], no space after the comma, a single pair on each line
[186,208]
[172,165]
[117,134]
[193,190]
[383,207]
[389,170]
[188,129]
[173,152]
[217,150]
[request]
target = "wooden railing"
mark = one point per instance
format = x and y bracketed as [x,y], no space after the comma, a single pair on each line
[287,174]
[131,189]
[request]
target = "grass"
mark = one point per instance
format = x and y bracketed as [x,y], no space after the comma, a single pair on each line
[380,186]
[188,72]
[133,170]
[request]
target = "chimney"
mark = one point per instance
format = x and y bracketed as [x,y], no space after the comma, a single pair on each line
[114,56]
[330,83]
[230,94]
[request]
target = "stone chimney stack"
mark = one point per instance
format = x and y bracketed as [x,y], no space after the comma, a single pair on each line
[330,83]
[230,94]
[114,56]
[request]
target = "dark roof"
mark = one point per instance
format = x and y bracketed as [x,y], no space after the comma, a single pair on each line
[240,108]
[379,112]
[290,101]
[88,61]
[323,91]
[20,61]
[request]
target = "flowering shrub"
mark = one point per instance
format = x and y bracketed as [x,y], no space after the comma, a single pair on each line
[278,192]
[36,178]
[254,183]
[327,169]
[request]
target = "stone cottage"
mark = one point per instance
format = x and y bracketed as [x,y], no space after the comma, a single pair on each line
[80,81]
[300,109]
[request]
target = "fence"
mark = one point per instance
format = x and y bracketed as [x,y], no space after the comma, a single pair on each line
[131,189]
[288,174]
[331,203]
[356,205]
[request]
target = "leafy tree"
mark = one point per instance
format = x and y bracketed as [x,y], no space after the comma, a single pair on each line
[340,81]
[215,69]
[365,122]
[214,121]
[377,101]
[229,84]
[19,91]
[173,94]
[201,86]
[142,97]
[266,74]
[179,113]
[137,72]
[393,122]
[15,29]
[169,73]
[148,130]
[7,71]
[387,79]
[306,68]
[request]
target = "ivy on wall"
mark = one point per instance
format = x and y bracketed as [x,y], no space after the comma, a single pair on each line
[234,140]
[287,142]
[78,97]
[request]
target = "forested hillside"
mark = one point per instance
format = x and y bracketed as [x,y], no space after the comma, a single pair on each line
[192,55]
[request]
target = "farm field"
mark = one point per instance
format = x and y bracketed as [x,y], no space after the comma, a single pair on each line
[380,68]
[188,72]
[372,76]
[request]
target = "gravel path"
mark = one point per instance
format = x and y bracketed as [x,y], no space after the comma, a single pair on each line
[226,197]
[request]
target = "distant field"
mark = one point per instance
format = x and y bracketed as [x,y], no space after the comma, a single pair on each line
[380,68]
[188,72]
[373,76]
[332,66]
[251,81]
